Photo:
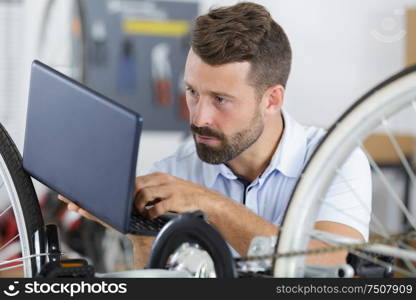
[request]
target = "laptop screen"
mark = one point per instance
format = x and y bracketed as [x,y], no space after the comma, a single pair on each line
[81,144]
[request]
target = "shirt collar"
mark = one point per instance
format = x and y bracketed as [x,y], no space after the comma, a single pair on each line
[211,172]
[288,158]
[290,154]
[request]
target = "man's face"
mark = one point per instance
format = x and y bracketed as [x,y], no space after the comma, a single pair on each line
[225,115]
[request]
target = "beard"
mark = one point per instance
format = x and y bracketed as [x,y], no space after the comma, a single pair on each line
[230,146]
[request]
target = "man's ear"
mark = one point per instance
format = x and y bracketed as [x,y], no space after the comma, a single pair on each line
[273,99]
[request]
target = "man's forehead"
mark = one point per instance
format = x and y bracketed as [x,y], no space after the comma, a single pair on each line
[196,69]
[194,59]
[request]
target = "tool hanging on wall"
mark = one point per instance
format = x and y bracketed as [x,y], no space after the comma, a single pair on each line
[183,111]
[162,74]
[127,73]
[99,43]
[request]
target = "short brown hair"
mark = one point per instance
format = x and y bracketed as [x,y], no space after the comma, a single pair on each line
[244,32]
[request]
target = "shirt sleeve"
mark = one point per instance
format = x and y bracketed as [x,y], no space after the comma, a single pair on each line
[348,199]
[158,167]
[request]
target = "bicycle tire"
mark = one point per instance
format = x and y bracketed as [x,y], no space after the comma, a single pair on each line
[23,198]
[357,121]
[192,228]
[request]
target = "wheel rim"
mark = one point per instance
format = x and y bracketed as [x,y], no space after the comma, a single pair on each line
[303,208]
[18,213]
[18,197]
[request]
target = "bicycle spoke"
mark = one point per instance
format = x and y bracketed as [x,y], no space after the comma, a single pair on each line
[381,228]
[3,263]
[358,197]
[11,267]
[414,105]
[409,263]
[399,152]
[6,210]
[384,234]
[9,242]
[411,175]
[376,220]
[337,240]
[399,202]
[382,263]
[387,250]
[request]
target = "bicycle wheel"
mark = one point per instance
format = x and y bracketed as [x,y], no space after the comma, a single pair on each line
[378,110]
[20,208]
[191,245]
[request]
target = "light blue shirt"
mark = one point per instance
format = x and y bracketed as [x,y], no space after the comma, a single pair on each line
[269,193]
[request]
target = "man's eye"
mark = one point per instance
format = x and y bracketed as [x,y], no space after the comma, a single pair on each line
[191,91]
[220,100]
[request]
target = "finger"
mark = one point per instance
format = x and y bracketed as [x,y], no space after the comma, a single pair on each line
[87,215]
[158,209]
[73,207]
[153,179]
[150,196]
[62,198]
[91,217]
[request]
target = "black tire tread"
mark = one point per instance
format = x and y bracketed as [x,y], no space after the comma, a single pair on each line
[24,187]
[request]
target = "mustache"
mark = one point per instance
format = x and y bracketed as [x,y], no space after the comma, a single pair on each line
[205,131]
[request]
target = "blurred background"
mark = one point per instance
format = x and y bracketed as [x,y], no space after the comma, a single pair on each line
[340,50]
[134,52]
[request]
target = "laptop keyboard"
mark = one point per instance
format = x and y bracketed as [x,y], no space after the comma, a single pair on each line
[140,225]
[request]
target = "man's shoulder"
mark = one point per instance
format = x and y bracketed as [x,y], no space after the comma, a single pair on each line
[185,151]
[183,160]
[355,164]
[305,137]
[314,136]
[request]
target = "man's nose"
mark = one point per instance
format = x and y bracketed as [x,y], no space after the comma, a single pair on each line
[201,115]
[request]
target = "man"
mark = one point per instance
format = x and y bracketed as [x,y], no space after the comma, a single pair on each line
[247,153]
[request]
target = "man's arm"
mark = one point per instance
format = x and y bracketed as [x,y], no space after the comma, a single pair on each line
[333,258]
[239,226]
[236,223]
[141,249]
[141,244]
[164,192]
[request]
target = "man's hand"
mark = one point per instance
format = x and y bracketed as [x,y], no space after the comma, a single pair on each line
[141,244]
[163,192]
[158,193]
[72,206]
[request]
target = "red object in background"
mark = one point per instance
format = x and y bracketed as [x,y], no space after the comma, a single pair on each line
[163,91]
[183,108]
[162,73]
[9,231]
[8,227]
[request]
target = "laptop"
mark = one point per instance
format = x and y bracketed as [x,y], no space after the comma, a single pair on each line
[84,146]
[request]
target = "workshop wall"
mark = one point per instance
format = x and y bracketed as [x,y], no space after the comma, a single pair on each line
[341,49]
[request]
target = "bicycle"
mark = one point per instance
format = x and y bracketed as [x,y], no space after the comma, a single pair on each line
[377,109]
[24,205]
